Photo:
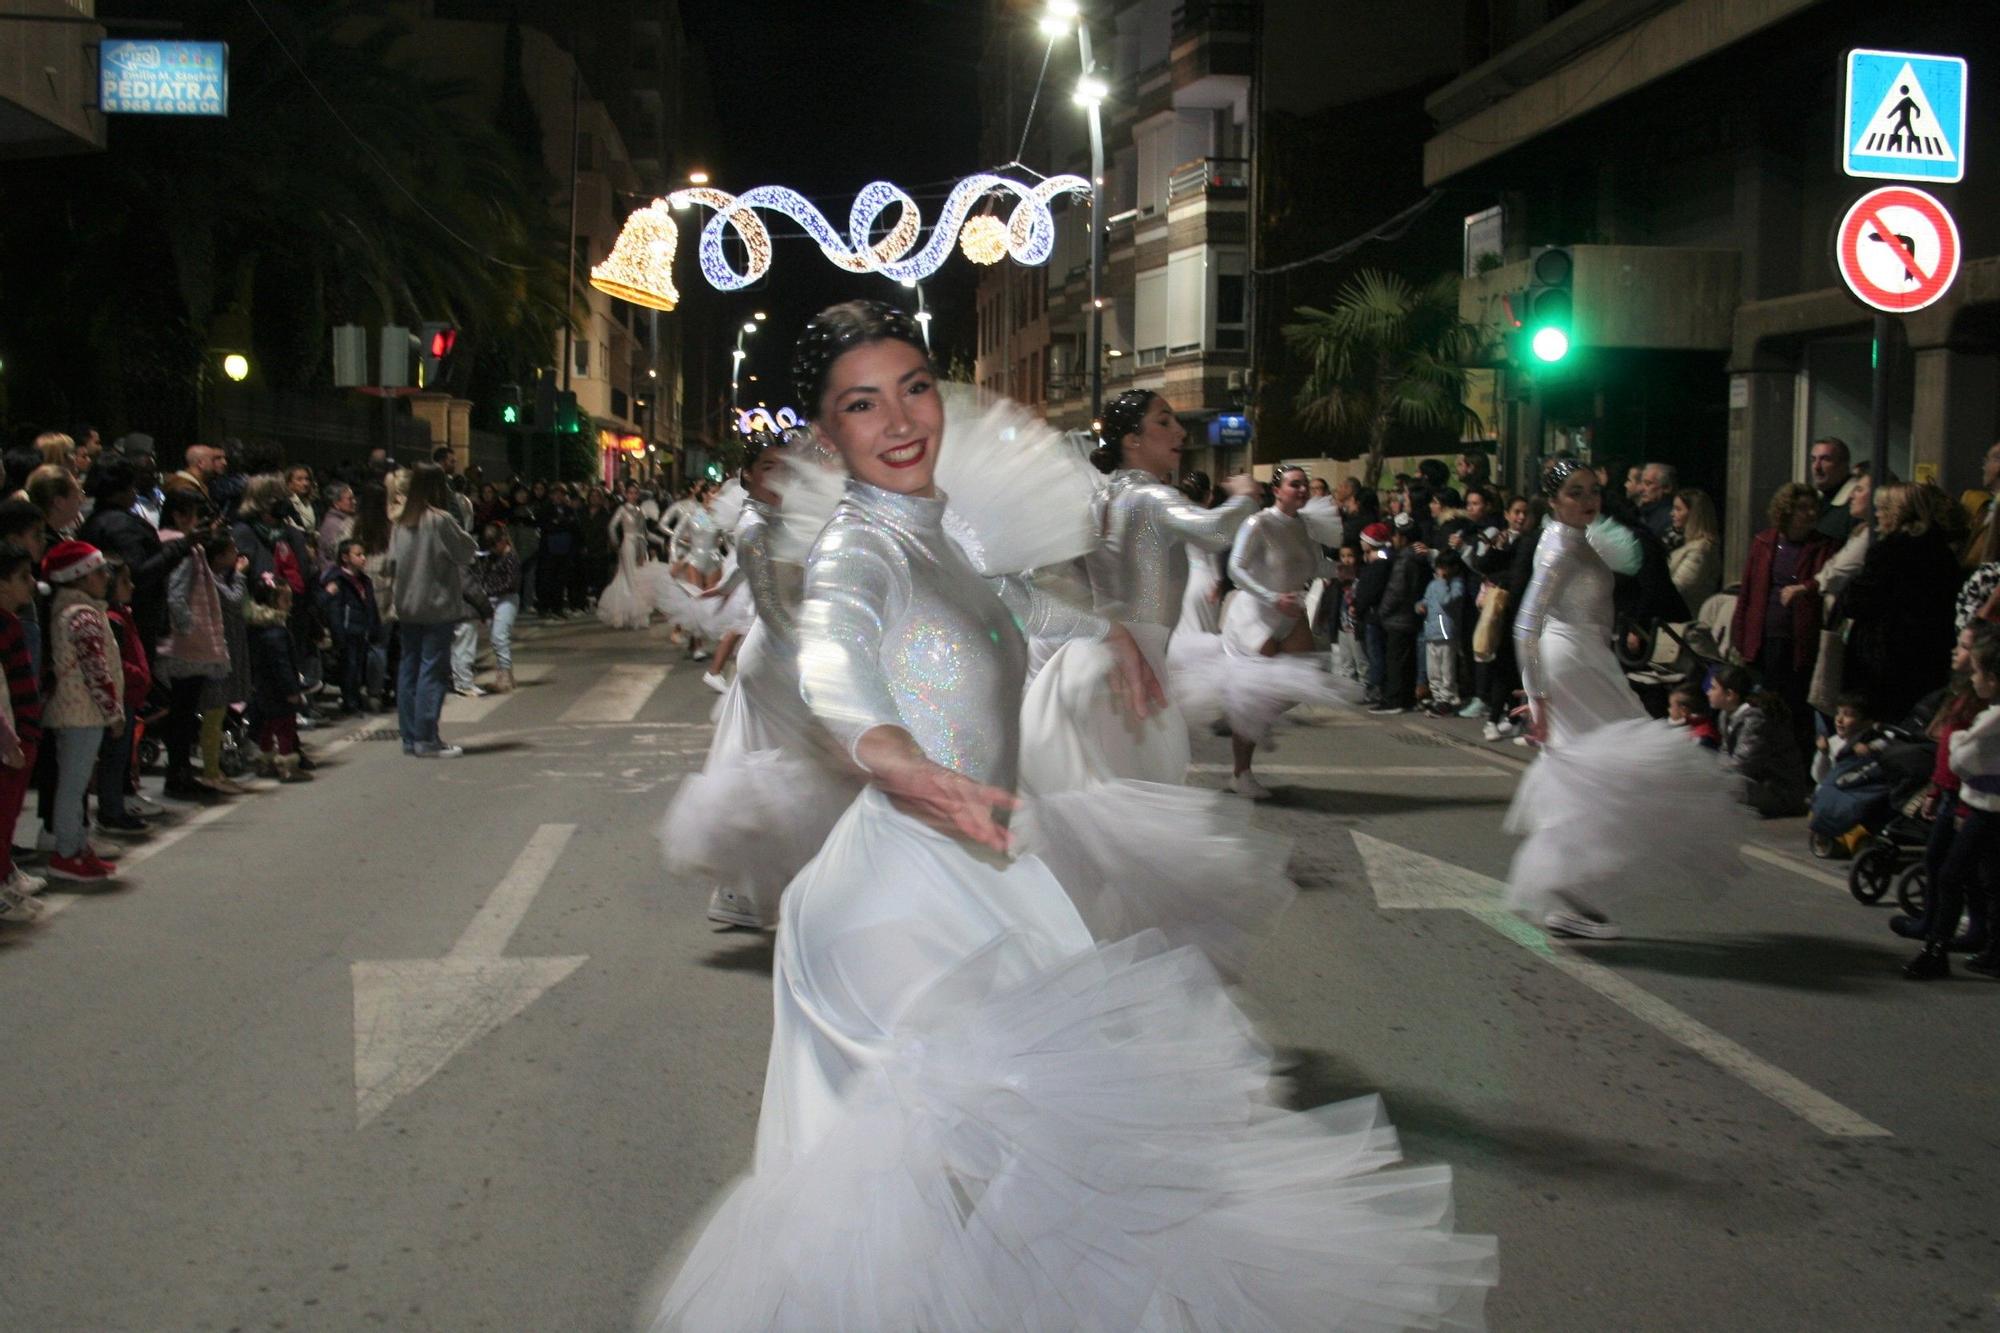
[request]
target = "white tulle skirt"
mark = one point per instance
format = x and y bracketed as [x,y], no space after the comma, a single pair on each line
[1201,611]
[1212,680]
[1074,732]
[627,601]
[769,791]
[683,605]
[976,1119]
[1617,803]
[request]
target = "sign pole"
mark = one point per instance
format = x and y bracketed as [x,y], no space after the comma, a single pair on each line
[1878,401]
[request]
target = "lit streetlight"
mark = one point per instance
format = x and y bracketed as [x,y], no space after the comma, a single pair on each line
[697,177]
[236,366]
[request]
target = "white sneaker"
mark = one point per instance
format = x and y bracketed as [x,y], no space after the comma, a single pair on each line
[469,691]
[439,751]
[19,907]
[726,908]
[1245,784]
[698,655]
[1580,926]
[714,681]
[27,883]
[144,808]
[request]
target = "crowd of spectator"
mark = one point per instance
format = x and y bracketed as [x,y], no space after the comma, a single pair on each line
[222,602]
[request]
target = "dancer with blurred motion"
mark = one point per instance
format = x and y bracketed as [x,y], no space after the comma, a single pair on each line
[1071,734]
[774,782]
[729,609]
[1616,800]
[974,1116]
[1201,602]
[1267,665]
[694,565]
[627,601]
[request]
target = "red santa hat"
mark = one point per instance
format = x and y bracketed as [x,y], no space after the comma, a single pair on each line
[69,561]
[1375,534]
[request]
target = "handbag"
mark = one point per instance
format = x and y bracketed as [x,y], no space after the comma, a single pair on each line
[1486,634]
[1828,669]
[478,602]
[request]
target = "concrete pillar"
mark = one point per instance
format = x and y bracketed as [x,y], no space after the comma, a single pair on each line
[450,420]
[1954,417]
[1762,408]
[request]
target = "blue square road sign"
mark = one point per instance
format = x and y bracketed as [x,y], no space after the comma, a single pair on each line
[1904,117]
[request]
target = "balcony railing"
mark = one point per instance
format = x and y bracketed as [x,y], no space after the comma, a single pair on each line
[1206,174]
[1191,16]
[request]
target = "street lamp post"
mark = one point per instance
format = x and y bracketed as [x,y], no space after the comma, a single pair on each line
[1091,91]
[736,361]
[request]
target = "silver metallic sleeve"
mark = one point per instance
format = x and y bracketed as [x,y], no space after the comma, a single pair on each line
[1554,562]
[755,566]
[1249,563]
[1043,615]
[1208,529]
[856,584]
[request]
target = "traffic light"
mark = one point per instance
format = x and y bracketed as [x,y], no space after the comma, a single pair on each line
[568,417]
[510,405]
[1549,317]
[714,471]
[435,344]
[544,416]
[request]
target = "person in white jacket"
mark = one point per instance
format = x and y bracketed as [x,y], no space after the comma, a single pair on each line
[1972,865]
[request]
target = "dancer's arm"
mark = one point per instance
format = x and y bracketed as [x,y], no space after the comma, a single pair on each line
[1554,563]
[755,566]
[1249,564]
[1207,529]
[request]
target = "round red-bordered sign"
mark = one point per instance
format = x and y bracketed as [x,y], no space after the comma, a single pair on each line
[1897,249]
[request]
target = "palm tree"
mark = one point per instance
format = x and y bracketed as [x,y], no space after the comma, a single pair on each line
[1387,357]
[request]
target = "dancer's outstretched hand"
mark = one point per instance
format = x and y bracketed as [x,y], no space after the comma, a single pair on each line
[1133,683]
[1538,721]
[932,794]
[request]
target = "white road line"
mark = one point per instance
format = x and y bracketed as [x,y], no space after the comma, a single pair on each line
[459,710]
[1403,878]
[1808,1103]
[489,931]
[1361,771]
[1773,858]
[619,696]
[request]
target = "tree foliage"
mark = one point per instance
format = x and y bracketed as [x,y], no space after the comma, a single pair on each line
[372,194]
[1387,358]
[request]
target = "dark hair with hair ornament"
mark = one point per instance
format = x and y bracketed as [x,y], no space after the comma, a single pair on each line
[842,328]
[1123,415]
[1556,473]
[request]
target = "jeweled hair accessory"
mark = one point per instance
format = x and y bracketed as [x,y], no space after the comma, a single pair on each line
[1556,473]
[834,331]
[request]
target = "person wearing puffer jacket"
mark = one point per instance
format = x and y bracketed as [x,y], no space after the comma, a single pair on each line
[86,697]
[1972,865]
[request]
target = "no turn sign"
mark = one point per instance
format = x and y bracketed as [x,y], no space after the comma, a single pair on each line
[1897,249]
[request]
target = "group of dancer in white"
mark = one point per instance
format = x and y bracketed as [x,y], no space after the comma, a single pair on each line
[1008,1087]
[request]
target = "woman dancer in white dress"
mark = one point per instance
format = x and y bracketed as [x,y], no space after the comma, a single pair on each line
[1072,736]
[1617,800]
[974,1117]
[1201,603]
[694,565]
[627,601]
[767,754]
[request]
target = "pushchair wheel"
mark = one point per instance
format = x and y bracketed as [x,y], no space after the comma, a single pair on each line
[1872,873]
[1913,889]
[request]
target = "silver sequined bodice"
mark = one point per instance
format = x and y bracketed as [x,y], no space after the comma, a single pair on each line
[1569,593]
[898,629]
[1139,570]
[699,539]
[1273,555]
[775,586]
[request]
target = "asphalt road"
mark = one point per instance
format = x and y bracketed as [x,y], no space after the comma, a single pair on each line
[437,1046]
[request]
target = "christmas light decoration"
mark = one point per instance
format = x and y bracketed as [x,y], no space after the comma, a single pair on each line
[1028,235]
[640,267]
[984,239]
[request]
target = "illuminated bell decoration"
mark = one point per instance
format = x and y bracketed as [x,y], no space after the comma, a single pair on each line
[640,268]
[1028,235]
[984,239]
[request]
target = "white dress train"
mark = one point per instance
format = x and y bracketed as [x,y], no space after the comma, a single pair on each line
[627,601]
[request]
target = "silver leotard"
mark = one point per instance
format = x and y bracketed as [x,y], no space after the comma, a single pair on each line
[1139,572]
[1274,555]
[698,541]
[898,629]
[1570,592]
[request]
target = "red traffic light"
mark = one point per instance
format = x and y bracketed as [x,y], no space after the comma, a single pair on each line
[441,342]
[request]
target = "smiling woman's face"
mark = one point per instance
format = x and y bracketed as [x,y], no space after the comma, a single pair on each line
[881,412]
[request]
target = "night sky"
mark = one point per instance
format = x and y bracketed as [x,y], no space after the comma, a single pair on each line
[826,96]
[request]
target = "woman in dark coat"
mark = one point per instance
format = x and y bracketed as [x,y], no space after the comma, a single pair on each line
[1901,603]
[1776,629]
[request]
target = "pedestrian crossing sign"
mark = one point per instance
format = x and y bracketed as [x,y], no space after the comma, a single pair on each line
[1905,116]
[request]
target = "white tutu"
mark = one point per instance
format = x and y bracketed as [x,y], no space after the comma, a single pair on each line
[683,605]
[974,1119]
[1200,613]
[1250,693]
[1074,733]
[1630,806]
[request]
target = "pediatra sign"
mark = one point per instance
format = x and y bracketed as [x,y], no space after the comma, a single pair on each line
[147,78]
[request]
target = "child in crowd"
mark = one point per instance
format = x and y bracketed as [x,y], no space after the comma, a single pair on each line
[274,679]
[1969,873]
[347,599]
[229,569]
[500,572]
[21,703]
[1688,707]
[1855,736]
[114,755]
[86,697]
[1757,738]
[1440,610]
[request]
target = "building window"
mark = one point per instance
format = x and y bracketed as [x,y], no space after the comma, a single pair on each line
[1231,294]
[1150,317]
[1187,304]
[619,404]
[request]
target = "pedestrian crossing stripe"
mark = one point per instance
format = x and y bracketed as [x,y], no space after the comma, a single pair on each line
[1905,116]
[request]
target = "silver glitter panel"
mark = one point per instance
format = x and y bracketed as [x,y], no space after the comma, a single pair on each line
[1139,572]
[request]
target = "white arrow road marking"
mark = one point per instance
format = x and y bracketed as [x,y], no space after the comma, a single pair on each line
[1403,878]
[619,696]
[411,1016]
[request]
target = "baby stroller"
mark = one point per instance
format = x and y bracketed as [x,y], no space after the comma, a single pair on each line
[1893,856]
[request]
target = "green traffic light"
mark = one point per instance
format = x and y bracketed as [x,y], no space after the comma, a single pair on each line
[715,472]
[1550,344]
[510,415]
